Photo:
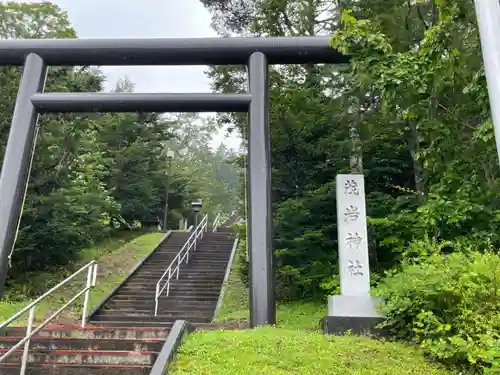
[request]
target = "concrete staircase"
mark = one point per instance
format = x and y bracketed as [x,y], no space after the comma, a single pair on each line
[95,350]
[193,296]
[123,336]
[139,289]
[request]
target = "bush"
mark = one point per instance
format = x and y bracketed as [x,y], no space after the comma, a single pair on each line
[448,304]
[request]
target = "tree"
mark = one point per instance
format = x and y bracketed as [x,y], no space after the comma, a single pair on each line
[95,174]
[65,208]
[410,112]
[198,172]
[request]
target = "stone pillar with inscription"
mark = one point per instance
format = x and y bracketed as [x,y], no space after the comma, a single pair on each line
[354,309]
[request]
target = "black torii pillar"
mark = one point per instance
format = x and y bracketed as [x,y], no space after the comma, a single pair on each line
[256,53]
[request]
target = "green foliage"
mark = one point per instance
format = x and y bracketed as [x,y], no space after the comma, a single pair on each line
[241,262]
[96,175]
[306,249]
[465,215]
[449,304]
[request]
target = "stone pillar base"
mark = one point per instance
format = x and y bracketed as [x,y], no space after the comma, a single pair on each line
[338,325]
[356,314]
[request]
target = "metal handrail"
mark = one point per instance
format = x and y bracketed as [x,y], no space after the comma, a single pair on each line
[216,223]
[179,258]
[30,332]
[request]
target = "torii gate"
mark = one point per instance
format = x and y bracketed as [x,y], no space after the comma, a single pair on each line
[256,53]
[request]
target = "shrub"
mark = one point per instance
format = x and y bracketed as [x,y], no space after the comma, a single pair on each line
[449,305]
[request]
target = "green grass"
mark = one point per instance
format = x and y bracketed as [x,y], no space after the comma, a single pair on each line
[234,305]
[233,312]
[115,257]
[295,346]
[279,351]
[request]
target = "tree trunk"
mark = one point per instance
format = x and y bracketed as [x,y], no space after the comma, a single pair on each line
[418,168]
[356,159]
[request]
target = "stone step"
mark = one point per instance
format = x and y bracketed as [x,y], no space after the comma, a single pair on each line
[135,324]
[213,284]
[204,266]
[192,281]
[166,261]
[208,254]
[182,287]
[211,280]
[174,295]
[129,309]
[166,304]
[137,308]
[164,297]
[195,260]
[187,273]
[71,343]
[215,244]
[168,314]
[144,325]
[213,249]
[216,247]
[92,333]
[188,284]
[157,264]
[183,270]
[73,369]
[160,319]
[83,357]
[172,292]
[210,246]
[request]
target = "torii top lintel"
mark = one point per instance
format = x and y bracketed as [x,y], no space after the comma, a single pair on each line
[171,51]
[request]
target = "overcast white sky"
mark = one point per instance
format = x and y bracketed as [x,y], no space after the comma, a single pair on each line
[142,19]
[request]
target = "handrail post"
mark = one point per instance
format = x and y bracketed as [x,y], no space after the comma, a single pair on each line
[29,328]
[90,280]
[156,298]
[215,224]
[94,278]
[178,267]
[168,281]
